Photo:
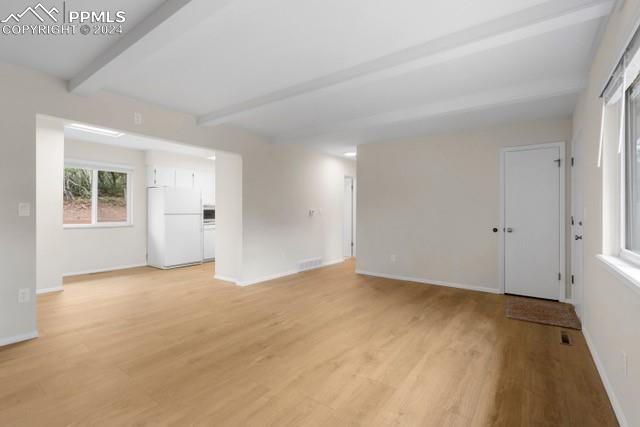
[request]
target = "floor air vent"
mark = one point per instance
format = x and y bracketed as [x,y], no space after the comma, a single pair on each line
[564,338]
[309,264]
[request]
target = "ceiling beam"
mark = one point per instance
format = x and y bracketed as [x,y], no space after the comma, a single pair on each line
[170,20]
[529,92]
[534,21]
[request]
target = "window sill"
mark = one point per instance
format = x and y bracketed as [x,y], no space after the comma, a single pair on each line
[624,270]
[94,226]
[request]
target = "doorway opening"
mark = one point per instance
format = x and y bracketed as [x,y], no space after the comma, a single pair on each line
[112,200]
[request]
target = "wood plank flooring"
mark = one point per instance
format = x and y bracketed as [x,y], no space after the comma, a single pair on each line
[322,348]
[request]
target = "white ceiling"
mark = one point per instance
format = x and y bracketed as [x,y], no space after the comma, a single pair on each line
[251,48]
[335,73]
[63,56]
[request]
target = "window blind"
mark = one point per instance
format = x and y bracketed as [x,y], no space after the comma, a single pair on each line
[623,76]
[626,70]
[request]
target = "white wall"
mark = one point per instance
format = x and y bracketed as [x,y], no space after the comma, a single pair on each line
[280,184]
[98,249]
[49,176]
[611,316]
[228,216]
[180,161]
[432,202]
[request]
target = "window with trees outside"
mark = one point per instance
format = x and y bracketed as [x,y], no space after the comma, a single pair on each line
[96,196]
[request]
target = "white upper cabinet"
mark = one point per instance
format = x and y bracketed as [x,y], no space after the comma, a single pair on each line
[161,177]
[205,180]
[185,178]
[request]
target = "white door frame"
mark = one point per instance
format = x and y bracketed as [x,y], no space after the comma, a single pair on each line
[577,212]
[562,146]
[353,213]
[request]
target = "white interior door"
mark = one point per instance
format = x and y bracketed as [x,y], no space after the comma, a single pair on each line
[348,218]
[532,221]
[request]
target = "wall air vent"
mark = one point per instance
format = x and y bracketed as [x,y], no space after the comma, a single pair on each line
[564,338]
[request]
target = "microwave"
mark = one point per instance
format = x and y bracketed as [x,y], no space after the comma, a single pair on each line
[209,214]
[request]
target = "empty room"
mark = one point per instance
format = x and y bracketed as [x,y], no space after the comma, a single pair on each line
[320,213]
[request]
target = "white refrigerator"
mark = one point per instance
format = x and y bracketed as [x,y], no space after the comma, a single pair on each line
[175,227]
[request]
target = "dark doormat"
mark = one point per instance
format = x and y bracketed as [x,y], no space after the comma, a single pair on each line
[541,311]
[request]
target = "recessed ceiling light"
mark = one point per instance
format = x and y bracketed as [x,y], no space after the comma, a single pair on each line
[95,130]
[351,154]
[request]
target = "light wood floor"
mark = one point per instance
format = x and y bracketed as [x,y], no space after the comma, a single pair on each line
[325,348]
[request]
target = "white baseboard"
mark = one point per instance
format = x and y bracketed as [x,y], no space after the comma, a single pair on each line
[49,290]
[335,261]
[617,407]
[104,270]
[266,278]
[430,282]
[286,273]
[18,338]
[225,278]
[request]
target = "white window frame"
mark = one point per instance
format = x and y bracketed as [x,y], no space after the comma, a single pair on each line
[95,167]
[623,263]
[624,253]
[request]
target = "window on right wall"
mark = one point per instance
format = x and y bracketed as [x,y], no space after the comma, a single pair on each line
[631,210]
[620,152]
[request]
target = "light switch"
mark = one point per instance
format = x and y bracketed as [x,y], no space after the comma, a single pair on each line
[24,209]
[24,295]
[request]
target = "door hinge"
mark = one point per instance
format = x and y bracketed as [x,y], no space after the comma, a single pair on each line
[572,161]
[558,161]
[573,279]
[572,223]
[559,276]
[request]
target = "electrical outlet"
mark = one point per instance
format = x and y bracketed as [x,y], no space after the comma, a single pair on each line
[393,258]
[24,295]
[625,364]
[137,118]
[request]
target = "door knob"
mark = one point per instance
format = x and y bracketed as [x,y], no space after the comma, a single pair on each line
[578,237]
[509,230]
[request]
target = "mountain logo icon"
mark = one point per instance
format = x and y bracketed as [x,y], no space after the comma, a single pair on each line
[39,11]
